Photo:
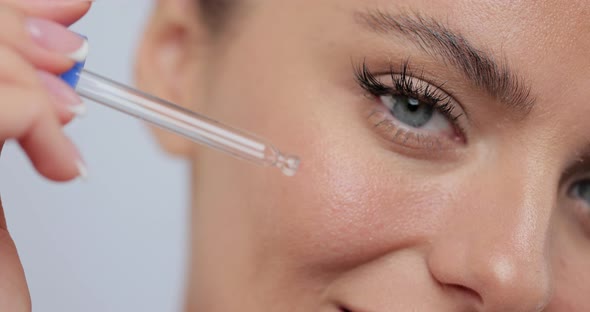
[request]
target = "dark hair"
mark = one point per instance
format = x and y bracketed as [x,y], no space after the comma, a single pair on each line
[215,12]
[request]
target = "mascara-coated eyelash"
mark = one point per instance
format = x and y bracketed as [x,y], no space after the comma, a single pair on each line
[414,113]
[403,84]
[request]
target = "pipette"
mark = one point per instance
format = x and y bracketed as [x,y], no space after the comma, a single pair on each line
[179,120]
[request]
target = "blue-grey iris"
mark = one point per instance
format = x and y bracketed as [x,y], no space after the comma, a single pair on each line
[411,111]
[581,190]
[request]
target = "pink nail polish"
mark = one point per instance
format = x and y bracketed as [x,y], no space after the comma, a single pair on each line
[57,38]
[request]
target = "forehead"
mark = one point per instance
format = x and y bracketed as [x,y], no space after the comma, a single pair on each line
[526,31]
[534,30]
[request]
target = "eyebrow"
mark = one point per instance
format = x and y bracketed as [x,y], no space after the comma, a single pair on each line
[495,78]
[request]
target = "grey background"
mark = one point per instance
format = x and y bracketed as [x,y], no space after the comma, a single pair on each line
[117,241]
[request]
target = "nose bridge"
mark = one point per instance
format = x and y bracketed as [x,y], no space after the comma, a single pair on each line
[496,242]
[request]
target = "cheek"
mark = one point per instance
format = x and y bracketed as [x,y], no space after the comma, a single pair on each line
[354,203]
[571,285]
[570,268]
[351,200]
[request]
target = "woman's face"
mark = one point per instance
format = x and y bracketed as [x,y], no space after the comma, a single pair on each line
[445,158]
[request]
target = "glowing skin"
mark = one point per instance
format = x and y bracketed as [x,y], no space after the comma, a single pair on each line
[369,225]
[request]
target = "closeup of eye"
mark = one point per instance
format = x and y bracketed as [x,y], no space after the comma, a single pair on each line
[580,193]
[412,112]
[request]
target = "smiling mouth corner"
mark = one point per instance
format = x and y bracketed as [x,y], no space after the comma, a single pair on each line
[344,309]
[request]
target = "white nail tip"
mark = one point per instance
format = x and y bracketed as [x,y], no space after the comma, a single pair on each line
[81,54]
[78,110]
[82,170]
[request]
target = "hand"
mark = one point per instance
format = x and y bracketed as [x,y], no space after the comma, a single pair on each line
[34,106]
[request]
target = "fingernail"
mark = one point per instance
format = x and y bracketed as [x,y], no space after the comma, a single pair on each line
[63,93]
[57,38]
[80,164]
[78,110]
[82,170]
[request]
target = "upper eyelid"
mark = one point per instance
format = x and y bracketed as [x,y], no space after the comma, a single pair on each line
[574,173]
[363,72]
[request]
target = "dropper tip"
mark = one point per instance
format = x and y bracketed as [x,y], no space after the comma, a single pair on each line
[288,165]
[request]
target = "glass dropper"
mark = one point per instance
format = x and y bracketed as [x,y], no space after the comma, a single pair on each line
[191,125]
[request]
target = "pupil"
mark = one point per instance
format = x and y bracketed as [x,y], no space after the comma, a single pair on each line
[411,111]
[413,104]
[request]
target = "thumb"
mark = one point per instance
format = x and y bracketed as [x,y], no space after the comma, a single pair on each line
[3,225]
[14,293]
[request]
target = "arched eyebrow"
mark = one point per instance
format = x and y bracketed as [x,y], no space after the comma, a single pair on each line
[495,78]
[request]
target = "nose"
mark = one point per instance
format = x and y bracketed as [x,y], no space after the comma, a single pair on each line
[494,247]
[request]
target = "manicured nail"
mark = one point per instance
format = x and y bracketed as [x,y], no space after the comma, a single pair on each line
[78,110]
[78,162]
[57,38]
[82,170]
[63,93]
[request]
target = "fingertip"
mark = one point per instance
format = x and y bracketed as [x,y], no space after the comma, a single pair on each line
[65,12]
[53,155]
[65,171]
[70,12]
[55,172]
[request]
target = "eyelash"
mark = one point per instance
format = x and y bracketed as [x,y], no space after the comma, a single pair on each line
[404,84]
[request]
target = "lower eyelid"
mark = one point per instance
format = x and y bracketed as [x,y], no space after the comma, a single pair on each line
[385,125]
[582,215]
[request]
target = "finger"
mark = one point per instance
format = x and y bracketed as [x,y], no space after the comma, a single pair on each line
[65,101]
[16,70]
[14,294]
[47,45]
[64,12]
[52,153]
[29,117]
